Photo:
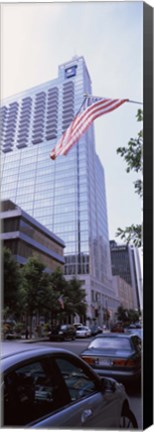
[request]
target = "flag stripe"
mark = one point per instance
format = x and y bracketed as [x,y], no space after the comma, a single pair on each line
[86,122]
[81,123]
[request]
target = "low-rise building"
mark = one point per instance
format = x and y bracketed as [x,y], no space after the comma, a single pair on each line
[26,237]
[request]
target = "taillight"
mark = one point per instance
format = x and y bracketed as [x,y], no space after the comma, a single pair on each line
[131,363]
[89,360]
[119,362]
[124,363]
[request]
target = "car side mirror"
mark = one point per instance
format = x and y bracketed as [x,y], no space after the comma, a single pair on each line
[108,386]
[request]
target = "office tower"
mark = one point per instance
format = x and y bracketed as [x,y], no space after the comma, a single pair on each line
[66,195]
[126,263]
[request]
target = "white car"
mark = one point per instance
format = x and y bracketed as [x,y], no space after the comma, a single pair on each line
[83,331]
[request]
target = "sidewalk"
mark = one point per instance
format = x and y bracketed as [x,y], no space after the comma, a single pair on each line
[35,339]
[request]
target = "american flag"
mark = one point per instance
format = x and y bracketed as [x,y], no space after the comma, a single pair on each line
[96,107]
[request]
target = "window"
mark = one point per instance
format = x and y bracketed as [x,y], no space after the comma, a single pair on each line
[32,391]
[78,383]
[111,343]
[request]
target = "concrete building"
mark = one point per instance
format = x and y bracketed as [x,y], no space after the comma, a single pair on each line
[26,237]
[66,195]
[126,264]
[124,292]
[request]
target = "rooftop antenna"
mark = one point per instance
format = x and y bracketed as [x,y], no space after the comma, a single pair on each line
[75,56]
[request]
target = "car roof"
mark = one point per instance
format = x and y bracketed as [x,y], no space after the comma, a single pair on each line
[14,358]
[114,335]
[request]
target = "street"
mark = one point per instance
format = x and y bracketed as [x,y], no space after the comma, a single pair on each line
[76,347]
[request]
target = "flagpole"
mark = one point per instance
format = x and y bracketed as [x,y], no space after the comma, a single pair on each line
[99,97]
[131,101]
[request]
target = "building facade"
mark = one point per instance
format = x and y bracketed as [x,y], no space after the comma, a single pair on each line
[124,292]
[66,195]
[125,263]
[25,237]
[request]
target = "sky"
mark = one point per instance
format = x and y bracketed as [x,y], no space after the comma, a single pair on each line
[37,37]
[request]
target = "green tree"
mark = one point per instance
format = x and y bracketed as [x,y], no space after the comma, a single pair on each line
[122,314]
[36,288]
[133,315]
[75,298]
[127,316]
[58,285]
[72,295]
[133,156]
[11,283]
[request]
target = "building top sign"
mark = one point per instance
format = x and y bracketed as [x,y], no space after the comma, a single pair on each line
[70,71]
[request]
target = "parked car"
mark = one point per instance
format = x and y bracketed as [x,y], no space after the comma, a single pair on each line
[83,331]
[95,329]
[53,388]
[63,332]
[115,355]
[137,331]
[76,325]
[135,325]
[117,328]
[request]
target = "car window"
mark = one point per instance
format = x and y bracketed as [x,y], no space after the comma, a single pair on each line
[79,384]
[63,327]
[111,343]
[31,392]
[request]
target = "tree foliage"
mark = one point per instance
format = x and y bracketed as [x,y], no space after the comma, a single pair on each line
[133,156]
[32,291]
[11,283]
[73,296]
[36,285]
[127,316]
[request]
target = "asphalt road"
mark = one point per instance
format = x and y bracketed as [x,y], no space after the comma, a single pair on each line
[76,347]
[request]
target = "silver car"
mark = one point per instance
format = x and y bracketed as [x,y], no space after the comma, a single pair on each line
[53,388]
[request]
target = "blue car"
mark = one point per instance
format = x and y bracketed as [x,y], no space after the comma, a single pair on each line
[53,388]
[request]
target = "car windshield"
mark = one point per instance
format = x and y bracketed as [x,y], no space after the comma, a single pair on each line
[111,343]
[63,327]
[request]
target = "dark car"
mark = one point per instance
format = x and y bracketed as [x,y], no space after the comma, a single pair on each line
[63,332]
[115,355]
[117,328]
[53,388]
[95,329]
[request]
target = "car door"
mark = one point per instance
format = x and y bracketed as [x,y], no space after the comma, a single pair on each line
[30,391]
[88,406]
[56,391]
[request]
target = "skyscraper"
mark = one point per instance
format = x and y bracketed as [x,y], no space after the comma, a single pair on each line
[66,195]
[125,263]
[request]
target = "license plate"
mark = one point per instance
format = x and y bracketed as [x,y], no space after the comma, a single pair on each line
[103,362]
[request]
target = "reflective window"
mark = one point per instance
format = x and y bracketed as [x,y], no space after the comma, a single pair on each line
[31,392]
[111,343]
[78,383]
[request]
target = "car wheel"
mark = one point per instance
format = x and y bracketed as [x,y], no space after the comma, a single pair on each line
[127,419]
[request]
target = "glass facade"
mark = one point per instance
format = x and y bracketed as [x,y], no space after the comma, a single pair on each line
[66,195]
